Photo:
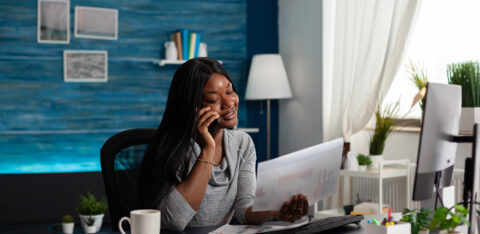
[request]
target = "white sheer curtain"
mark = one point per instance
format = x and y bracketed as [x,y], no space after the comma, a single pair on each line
[364,43]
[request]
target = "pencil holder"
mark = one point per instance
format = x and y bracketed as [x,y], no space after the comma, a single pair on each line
[398,228]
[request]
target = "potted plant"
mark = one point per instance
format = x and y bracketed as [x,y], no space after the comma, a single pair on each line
[419,79]
[385,119]
[467,74]
[418,219]
[363,162]
[90,207]
[67,224]
[90,228]
[447,220]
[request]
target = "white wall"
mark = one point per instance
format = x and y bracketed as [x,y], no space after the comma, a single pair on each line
[300,42]
[300,118]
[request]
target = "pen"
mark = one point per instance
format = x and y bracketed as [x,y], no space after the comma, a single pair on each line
[389,214]
[376,222]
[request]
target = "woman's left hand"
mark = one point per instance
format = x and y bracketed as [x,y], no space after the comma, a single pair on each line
[294,209]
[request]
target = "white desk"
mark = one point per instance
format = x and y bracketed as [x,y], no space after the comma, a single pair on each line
[353,229]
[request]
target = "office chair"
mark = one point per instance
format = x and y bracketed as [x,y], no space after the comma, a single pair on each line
[121,157]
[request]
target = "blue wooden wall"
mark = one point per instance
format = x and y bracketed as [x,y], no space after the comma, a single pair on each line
[262,38]
[56,126]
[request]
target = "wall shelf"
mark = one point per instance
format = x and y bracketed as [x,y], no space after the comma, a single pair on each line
[249,130]
[164,62]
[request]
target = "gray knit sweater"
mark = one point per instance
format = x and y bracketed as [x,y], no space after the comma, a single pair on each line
[230,190]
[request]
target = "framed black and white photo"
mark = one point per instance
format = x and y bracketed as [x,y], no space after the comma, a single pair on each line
[85,65]
[96,23]
[53,21]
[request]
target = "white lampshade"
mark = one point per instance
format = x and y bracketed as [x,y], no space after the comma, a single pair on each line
[267,78]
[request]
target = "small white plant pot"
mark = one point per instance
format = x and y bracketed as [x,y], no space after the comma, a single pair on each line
[67,227]
[90,229]
[362,168]
[98,221]
[469,116]
[376,160]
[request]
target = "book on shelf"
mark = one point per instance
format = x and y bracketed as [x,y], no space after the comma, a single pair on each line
[191,45]
[185,45]
[197,43]
[178,43]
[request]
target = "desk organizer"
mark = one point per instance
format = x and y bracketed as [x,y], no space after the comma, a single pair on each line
[399,228]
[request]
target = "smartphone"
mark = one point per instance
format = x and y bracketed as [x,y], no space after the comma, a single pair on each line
[213,128]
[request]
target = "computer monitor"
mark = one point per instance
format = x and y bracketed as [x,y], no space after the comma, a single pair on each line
[437,149]
[436,154]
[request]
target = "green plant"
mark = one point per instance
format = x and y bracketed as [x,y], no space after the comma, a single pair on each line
[386,118]
[89,205]
[418,219]
[90,221]
[363,160]
[419,79]
[449,219]
[67,219]
[466,74]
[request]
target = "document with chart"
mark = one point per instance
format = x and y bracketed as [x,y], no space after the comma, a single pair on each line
[313,171]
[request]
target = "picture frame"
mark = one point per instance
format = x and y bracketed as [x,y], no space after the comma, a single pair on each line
[53,21]
[96,23]
[85,65]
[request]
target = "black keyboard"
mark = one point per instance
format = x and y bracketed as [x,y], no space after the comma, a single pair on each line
[318,225]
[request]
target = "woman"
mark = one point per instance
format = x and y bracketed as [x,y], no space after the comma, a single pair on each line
[198,171]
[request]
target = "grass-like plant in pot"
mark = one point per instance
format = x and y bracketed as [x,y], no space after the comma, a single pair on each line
[363,162]
[467,75]
[419,78]
[418,219]
[89,206]
[67,224]
[385,119]
[449,219]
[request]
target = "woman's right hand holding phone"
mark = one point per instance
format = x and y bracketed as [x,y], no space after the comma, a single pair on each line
[207,116]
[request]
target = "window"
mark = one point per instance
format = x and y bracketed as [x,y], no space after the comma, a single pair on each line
[446,31]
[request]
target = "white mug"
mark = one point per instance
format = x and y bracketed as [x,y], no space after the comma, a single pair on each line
[142,222]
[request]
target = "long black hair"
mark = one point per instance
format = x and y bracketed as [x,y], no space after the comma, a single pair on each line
[167,155]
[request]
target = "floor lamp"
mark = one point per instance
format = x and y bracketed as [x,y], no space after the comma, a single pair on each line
[267,80]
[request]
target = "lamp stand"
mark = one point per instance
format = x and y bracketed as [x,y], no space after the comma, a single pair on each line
[268,129]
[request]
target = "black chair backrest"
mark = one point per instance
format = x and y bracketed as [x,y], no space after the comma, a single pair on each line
[121,157]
